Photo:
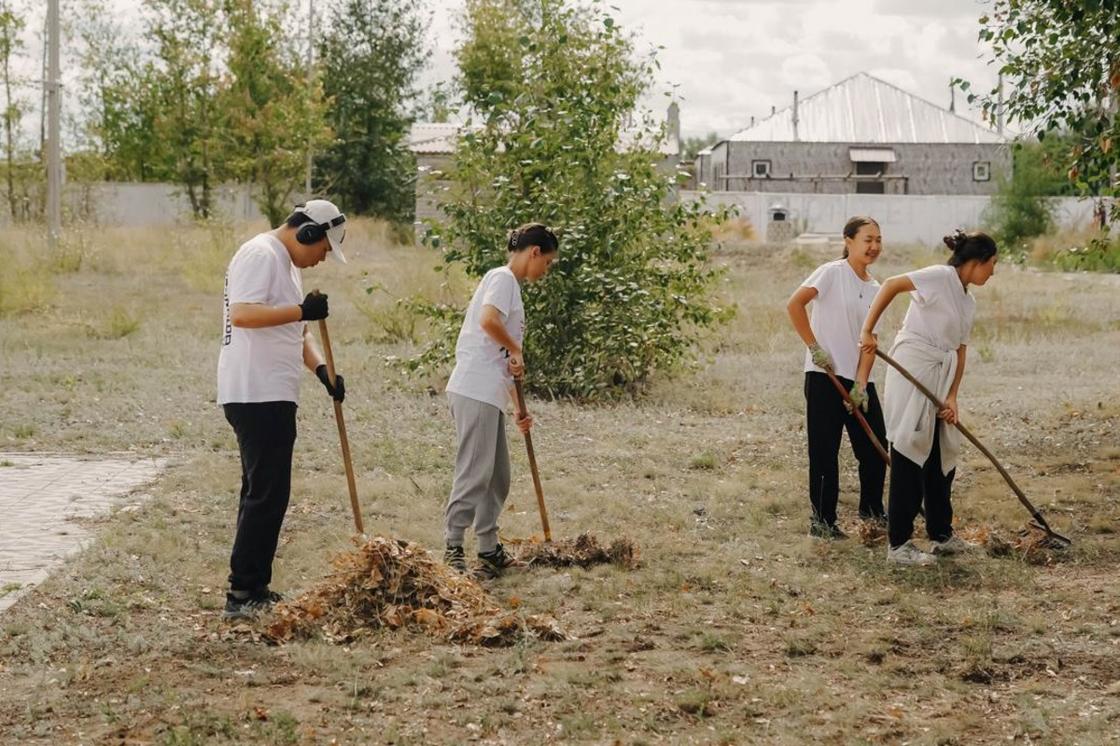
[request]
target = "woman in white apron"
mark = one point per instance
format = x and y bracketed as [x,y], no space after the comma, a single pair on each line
[932,346]
[841,292]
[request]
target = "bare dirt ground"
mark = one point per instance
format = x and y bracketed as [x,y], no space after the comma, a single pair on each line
[737,628]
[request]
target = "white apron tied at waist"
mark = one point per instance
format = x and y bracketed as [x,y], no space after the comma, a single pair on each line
[910,416]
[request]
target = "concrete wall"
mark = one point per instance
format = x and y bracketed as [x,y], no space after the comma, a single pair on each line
[904,219]
[146,204]
[931,168]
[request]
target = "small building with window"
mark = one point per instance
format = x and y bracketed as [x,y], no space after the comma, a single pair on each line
[863,136]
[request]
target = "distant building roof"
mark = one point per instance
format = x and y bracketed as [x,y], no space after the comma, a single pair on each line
[433,138]
[864,109]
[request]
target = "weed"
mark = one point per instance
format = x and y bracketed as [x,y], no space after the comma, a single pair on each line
[705,461]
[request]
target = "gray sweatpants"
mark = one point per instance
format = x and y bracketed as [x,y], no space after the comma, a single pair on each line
[481,472]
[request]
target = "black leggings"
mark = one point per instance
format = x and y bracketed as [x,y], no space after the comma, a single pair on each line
[910,483]
[826,419]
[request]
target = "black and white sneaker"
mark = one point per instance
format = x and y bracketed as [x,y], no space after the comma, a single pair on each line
[492,564]
[454,558]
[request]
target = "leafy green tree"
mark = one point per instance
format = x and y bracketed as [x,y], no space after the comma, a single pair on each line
[371,52]
[118,96]
[436,104]
[690,146]
[1059,61]
[554,85]
[1019,210]
[273,111]
[184,83]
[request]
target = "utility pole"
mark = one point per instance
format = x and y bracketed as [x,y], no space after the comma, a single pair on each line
[54,146]
[310,80]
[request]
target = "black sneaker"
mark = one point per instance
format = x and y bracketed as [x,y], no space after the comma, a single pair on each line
[268,597]
[822,530]
[245,608]
[454,557]
[493,564]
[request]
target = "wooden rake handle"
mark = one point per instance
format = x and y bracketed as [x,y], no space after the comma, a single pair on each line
[1039,520]
[523,412]
[355,508]
[859,416]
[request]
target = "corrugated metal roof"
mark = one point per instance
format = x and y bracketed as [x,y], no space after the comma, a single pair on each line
[864,109]
[433,137]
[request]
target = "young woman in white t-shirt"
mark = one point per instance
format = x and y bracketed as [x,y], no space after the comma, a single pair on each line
[841,292]
[487,358]
[932,346]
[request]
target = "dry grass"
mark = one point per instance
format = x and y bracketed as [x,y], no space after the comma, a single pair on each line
[735,628]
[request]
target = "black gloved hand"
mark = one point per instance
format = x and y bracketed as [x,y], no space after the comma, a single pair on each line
[338,391]
[314,306]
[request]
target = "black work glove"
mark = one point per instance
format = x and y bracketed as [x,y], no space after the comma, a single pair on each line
[314,306]
[338,391]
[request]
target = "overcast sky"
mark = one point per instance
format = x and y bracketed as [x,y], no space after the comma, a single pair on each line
[728,60]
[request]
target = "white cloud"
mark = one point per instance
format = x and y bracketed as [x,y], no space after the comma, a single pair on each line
[807,72]
[729,60]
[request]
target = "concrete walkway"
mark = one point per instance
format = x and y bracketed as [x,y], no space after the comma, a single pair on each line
[39,497]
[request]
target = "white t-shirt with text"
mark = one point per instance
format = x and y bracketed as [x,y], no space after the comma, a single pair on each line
[261,365]
[481,364]
[839,310]
[941,310]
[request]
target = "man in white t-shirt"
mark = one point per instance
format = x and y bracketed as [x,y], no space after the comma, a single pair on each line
[265,343]
[487,357]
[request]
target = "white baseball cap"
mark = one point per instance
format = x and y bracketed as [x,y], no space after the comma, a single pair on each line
[327,216]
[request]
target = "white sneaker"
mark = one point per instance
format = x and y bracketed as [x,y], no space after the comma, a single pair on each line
[953,545]
[908,554]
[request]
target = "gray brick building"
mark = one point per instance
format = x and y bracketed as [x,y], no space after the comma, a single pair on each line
[861,135]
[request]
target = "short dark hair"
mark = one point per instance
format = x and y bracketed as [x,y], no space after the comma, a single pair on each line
[296,219]
[851,228]
[532,234]
[968,246]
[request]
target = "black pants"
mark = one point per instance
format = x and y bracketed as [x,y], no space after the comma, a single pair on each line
[266,435]
[910,483]
[826,419]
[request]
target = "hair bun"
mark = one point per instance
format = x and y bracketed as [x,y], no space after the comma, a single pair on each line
[955,240]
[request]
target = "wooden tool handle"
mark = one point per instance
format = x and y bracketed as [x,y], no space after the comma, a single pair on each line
[859,417]
[980,446]
[355,508]
[523,412]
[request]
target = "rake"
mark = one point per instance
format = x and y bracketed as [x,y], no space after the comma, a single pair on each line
[1057,540]
[522,412]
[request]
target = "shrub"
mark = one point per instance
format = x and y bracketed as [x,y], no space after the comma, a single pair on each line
[631,290]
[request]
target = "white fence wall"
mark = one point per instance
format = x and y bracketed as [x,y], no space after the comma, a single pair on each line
[903,218]
[149,204]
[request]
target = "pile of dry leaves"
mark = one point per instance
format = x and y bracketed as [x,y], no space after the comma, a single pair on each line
[582,551]
[396,584]
[1030,544]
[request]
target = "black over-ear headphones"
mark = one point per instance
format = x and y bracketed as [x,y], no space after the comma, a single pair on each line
[312,232]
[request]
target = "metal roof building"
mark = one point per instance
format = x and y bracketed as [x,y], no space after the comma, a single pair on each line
[860,135]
